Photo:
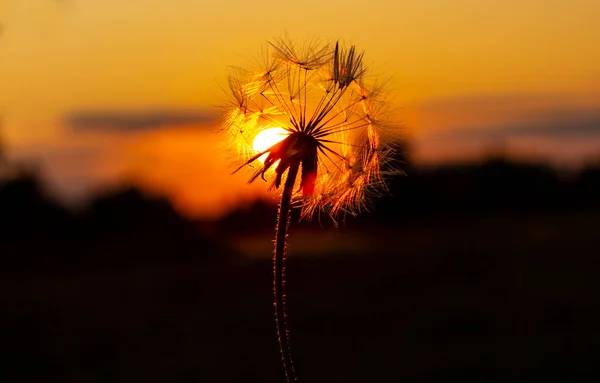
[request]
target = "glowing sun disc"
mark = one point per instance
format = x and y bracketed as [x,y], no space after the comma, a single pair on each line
[267,138]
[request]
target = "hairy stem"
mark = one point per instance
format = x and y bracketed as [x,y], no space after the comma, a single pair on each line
[279,272]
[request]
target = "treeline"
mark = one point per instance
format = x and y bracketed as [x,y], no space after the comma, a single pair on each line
[116,228]
[492,188]
[128,226]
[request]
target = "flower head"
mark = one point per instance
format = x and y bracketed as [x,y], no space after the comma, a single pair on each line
[318,94]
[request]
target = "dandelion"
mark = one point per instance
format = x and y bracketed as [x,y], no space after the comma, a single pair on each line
[305,118]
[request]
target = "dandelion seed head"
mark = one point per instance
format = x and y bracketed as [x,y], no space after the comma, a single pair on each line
[318,93]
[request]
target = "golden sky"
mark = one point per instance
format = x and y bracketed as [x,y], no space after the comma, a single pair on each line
[455,65]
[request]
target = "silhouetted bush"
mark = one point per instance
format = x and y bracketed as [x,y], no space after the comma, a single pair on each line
[117,229]
[27,213]
[587,189]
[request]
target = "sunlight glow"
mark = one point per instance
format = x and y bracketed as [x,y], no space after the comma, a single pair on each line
[267,138]
[320,92]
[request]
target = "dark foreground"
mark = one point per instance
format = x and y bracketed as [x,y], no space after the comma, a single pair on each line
[472,302]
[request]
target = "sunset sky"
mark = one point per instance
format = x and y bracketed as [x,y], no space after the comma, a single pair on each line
[101,91]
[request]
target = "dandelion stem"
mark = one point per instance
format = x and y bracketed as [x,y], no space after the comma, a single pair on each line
[279,272]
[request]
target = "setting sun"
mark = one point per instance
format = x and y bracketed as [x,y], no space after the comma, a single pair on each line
[267,138]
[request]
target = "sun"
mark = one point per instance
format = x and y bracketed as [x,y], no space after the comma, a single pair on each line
[267,138]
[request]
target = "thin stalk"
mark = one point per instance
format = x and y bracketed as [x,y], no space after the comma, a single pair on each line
[279,272]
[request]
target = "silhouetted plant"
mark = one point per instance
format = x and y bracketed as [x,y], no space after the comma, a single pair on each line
[323,123]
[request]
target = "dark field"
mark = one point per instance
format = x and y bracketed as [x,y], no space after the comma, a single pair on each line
[487,284]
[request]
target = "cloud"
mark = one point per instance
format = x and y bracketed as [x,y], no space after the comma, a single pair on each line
[559,113]
[557,124]
[136,120]
[506,116]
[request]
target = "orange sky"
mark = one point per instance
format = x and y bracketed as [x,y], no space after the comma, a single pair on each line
[472,64]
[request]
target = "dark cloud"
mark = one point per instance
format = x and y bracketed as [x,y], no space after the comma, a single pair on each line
[489,101]
[136,120]
[559,124]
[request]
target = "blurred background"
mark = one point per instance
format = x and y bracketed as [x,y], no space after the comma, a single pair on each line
[128,252]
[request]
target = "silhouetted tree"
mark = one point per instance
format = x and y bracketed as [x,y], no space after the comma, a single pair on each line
[28,212]
[587,189]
